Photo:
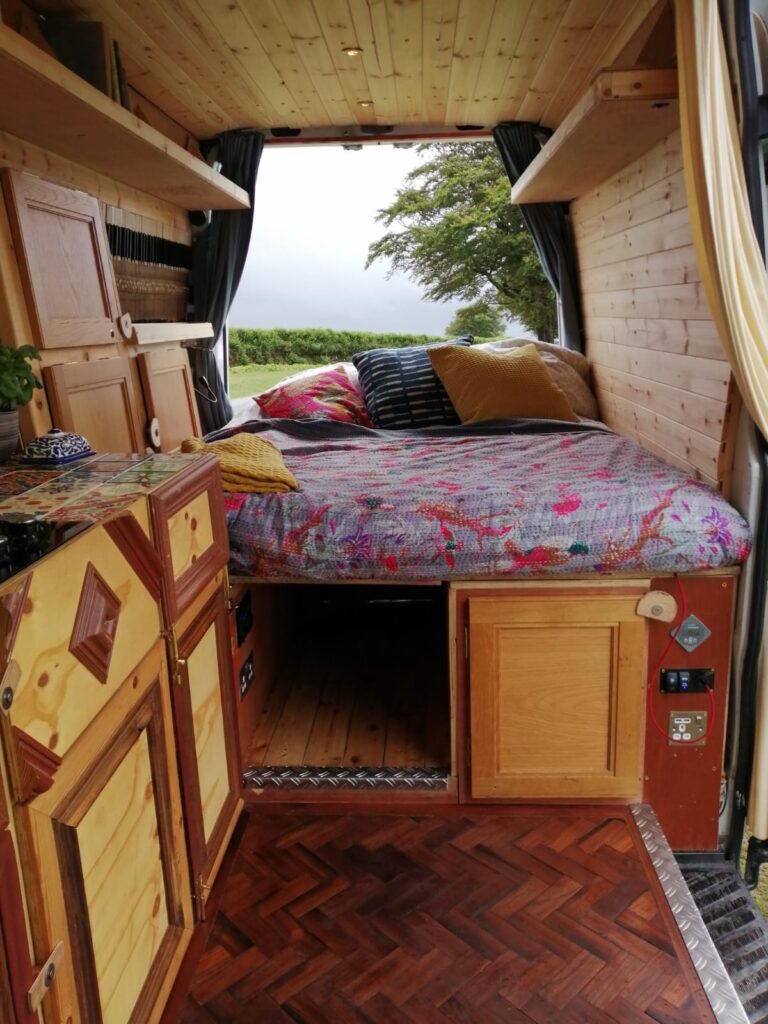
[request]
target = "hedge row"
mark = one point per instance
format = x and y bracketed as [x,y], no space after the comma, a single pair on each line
[310,344]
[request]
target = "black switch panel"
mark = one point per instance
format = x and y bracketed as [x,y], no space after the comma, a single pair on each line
[687,680]
[244,618]
[246,676]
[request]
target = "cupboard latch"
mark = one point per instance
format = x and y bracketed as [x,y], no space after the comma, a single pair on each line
[45,978]
[228,590]
[177,663]
[202,891]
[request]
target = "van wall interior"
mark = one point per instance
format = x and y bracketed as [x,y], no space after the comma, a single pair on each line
[659,369]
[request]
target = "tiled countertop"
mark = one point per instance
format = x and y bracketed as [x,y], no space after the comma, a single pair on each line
[42,508]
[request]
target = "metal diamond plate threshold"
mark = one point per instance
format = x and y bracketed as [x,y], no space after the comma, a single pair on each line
[311,777]
[719,988]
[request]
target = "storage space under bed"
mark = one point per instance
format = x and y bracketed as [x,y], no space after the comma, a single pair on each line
[344,676]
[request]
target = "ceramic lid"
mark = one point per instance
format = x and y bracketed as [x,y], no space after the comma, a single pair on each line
[57,445]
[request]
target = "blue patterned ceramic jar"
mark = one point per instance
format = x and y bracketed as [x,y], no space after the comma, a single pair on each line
[56,448]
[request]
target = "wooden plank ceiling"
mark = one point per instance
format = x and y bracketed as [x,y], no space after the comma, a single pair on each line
[218,64]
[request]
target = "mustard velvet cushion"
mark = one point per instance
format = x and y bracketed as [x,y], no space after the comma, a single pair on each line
[484,386]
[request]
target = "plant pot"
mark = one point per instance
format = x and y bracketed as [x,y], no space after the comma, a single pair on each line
[9,434]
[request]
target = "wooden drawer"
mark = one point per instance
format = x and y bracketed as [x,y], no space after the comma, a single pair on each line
[76,626]
[105,869]
[190,533]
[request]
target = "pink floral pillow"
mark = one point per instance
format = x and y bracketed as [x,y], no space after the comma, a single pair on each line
[328,393]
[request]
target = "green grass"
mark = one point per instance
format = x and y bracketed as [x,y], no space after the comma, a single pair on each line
[253,379]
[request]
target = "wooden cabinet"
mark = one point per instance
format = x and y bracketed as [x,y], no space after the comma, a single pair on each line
[170,398]
[206,730]
[64,262]
[98,400]
[124,779]
[107,872]
[16,972]
[555,687]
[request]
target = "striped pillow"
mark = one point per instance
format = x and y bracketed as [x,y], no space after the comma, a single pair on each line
[402,390]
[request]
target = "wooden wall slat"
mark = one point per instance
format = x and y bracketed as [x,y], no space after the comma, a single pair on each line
[658,366]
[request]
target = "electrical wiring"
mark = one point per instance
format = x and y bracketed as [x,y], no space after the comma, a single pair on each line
[654,674]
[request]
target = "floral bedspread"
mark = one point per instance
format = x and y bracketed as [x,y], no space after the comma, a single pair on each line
[414,506]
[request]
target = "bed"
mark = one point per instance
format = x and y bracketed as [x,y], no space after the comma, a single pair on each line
[499,500]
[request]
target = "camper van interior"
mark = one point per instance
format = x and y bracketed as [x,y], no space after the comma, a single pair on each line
[435,695]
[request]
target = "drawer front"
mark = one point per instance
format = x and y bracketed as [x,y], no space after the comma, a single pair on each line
[190,532]
[108,875]
[76,625]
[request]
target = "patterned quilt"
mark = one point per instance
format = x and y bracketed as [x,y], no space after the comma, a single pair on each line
[498,501]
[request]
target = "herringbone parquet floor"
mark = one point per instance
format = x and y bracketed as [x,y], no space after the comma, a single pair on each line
[342,918]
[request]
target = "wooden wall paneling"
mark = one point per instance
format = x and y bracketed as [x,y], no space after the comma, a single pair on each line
[20,154]
[206,729]
[100,400]
[170,397]
[64,262]
[682,784]
[658,366]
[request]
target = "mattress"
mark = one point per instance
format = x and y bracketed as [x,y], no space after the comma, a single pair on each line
[530,498]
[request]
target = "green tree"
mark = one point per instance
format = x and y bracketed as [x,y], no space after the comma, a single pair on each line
[455,232]
[480,319]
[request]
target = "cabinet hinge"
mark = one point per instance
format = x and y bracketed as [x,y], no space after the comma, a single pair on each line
[201,893]
[228,590]
[45,978]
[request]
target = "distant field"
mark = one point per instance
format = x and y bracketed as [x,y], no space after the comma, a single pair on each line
[252,379]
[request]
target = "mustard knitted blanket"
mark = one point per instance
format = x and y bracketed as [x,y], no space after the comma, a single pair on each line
[247,463]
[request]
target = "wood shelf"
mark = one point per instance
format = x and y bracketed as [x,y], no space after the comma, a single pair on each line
[155,334]
[622,115]
[53,108]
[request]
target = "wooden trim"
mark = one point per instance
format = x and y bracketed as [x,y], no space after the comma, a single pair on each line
[13,931]
[203,856]
[80,938]
[32,766]
[11,609]
[137,550]
[155,334]
[95,626]
[56,109]
[164,502]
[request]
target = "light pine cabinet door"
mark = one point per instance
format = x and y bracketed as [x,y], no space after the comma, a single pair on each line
[206,732]
[557,690]
[109,878]
[64,262]
[170,397]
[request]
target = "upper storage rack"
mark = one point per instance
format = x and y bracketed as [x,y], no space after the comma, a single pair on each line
[622,115]
[48,105]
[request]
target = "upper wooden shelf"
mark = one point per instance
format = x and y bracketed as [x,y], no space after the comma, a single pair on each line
[47,104]
[622,115]
[155,334]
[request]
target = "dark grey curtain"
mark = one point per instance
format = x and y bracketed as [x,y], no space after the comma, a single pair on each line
[549,224]
[218,257]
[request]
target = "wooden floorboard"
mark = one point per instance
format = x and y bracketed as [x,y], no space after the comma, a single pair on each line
[546,916]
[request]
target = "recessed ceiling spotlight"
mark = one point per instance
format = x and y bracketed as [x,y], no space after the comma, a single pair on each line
[352,51]
[365,103]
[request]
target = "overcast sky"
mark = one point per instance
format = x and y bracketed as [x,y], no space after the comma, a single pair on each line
[315,216]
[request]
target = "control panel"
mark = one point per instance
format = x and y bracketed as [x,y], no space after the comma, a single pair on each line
[687,680]
[688,727]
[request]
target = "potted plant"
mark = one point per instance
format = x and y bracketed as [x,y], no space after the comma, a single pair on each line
[17,385]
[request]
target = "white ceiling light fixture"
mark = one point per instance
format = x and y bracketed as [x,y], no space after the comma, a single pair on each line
[352,51]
